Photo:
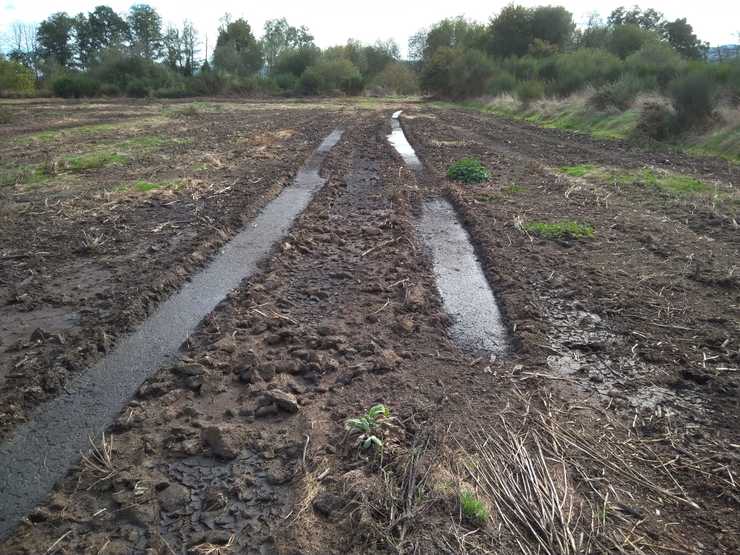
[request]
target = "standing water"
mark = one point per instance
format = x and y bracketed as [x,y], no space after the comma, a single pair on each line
[40,451]
[466,294]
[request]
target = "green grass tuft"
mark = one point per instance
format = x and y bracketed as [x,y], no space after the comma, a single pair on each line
[22,175]
[560,230]
[146,186]
[473,508]
[94,160]
[468,170]
[578,171]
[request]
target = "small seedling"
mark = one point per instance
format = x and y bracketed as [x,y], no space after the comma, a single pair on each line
[472,508]
[367,424]
[468,170]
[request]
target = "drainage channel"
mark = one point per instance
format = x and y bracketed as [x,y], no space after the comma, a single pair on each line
[465,291]
[40,452]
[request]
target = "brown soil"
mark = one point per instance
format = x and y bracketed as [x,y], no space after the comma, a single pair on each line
[622,387]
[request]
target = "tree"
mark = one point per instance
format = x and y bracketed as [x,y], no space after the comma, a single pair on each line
[24,46]
[145,28]
[237,50]
[107,29]
[54,37]
[379,55]
[280,36]
[15,78]
[510,32]
[173,48]
[296,61]
[553,25]
[189,47]
[649,19]
[629,38]
[680,35]
[452,33]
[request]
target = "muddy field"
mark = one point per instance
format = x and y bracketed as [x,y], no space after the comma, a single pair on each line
[608,423]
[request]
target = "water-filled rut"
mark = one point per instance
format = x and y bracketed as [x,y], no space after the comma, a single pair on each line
[462,284]
[41,451]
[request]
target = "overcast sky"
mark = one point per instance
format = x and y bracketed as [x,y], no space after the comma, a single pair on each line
[335,21]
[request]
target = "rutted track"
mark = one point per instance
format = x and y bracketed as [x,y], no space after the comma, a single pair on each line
[41,451]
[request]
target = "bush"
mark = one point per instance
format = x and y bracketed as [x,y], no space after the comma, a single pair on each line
[75,86]
[626,39]
[529,91]
[331,75]
[620,94]
[457,73]
[138,88]
[468,170]
[397,78]
[109,89]
[655,60]
[15,79]
[656,121]
[286,81]
[501,82]
[694,98]
[576,70]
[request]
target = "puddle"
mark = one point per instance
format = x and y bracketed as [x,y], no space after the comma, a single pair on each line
[402,146]
[466,294]
[465,291]
[40,451]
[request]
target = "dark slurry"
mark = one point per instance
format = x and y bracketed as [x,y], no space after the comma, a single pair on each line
[41,451]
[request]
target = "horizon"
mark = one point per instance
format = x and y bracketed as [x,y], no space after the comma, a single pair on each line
[356,22]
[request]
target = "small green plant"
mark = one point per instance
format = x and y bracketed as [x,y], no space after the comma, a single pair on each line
[472,508]
[577,171]
[560,230]
[468,170]
[367,425]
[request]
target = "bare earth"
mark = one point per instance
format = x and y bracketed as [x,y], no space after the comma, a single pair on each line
[610,427]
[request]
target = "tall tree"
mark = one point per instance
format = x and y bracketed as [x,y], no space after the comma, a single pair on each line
[107,28]
[237,50]
[145,27]
[510,32]
[189,38]
[173,48]
[24,46]
[281,36]
[680,35]
[54,36]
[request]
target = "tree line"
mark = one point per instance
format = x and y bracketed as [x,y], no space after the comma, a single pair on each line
[529,53]
[104,52]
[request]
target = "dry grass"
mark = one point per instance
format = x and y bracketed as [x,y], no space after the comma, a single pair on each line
[557,489]
[99,460]
[214,548]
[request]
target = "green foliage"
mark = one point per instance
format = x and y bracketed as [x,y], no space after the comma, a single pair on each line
[529,91]
[620,94]
[145,28]
[295,61]
[501,82]
[367,426]
[627,39]
[473,509]
[578,171]
[94,160]
[517,30]
[575,70]
[457,73]
[560,230]
[655,60]
[76,85]
[280,37]
[397,78]
[331,75]
[15,79]
[694,99]
[54,36]
[680,36]
[237,51]
[468,170]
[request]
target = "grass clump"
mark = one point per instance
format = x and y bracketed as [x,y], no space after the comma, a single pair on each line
[21,175]
[473,509]
[468,170]
[560,230]
[94,160]
[146,186]
[579,170]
